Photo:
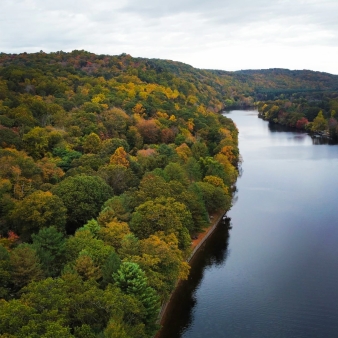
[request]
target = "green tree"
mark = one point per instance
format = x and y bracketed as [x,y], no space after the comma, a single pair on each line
[25,266]
[176,172]
[83,197]
[131,279]
[199,149]
[117,207]
[5,275]
[84,240]
[162,214]
[92,144]
[36,211]
[50,248]
[110,267]
[118,177]
[14,315]
[215,198]
[193,169]
[193,199]
[35,142]
[109,147]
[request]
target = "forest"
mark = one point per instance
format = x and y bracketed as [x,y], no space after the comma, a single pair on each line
[314,112]
[109,165]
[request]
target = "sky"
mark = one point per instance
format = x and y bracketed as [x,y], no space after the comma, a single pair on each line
[211,34]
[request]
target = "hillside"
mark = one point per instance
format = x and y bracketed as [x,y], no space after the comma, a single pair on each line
[109,166]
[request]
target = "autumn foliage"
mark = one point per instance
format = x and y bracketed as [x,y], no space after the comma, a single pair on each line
[108,166]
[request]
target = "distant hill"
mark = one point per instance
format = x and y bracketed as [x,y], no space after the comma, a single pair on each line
[277,79]
[214,88]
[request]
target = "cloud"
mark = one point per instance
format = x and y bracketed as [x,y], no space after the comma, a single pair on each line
[208,34]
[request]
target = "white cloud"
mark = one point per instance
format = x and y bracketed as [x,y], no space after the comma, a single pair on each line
[224,34]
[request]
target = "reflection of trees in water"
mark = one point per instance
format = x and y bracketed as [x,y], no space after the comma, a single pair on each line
[318,140]
[180,310]
[278,128]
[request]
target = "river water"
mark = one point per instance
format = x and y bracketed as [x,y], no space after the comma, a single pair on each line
[275,273]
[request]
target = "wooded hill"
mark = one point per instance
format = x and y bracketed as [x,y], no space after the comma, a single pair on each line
[108,166]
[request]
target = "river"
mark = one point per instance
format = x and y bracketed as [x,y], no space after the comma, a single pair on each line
[275,273]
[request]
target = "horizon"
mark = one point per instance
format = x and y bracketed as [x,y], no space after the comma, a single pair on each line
[176,61]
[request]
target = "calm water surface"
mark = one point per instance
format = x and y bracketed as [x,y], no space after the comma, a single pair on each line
[275,274]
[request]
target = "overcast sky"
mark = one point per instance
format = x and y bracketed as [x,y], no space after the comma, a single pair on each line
[213,34]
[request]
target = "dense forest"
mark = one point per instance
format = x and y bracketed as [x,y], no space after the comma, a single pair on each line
[314,112]
[109,165]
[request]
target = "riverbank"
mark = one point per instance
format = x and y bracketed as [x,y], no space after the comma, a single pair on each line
[277,271]
[197,243]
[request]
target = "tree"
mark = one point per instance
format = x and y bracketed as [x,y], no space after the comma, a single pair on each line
[83,197]
[36,142]
[162,214]
[199,149]
[5,275]
[50,248]
[176,172]
[109,147]
[216,182]
[135,138]
[162,261]
[110,267]
[113,232]
[184,152]
[193,199]
[93,227]
[149,130]
[151,187]
[319,123]
[230,173]
[36,211]
[86,268]
[193,170]
[215,198]
[115,120]
[92,144]
[119,158]
[119,177]
[14,315]
[117,207]
[84,241]
[25,266]
[132,280]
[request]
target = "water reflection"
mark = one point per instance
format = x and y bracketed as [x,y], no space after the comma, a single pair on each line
[299,135]
[281,278]
[180,312]
[318,140]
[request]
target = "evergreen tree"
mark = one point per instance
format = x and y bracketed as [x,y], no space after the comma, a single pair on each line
[50,247]
[132,280]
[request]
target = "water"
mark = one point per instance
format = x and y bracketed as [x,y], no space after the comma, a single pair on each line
[276,275]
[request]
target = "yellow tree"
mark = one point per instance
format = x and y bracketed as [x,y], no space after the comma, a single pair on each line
[184,152]
[216,182]
[228,152]
[119,157]
[113,232]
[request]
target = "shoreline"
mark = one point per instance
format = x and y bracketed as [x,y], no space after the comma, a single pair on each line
[196,245]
